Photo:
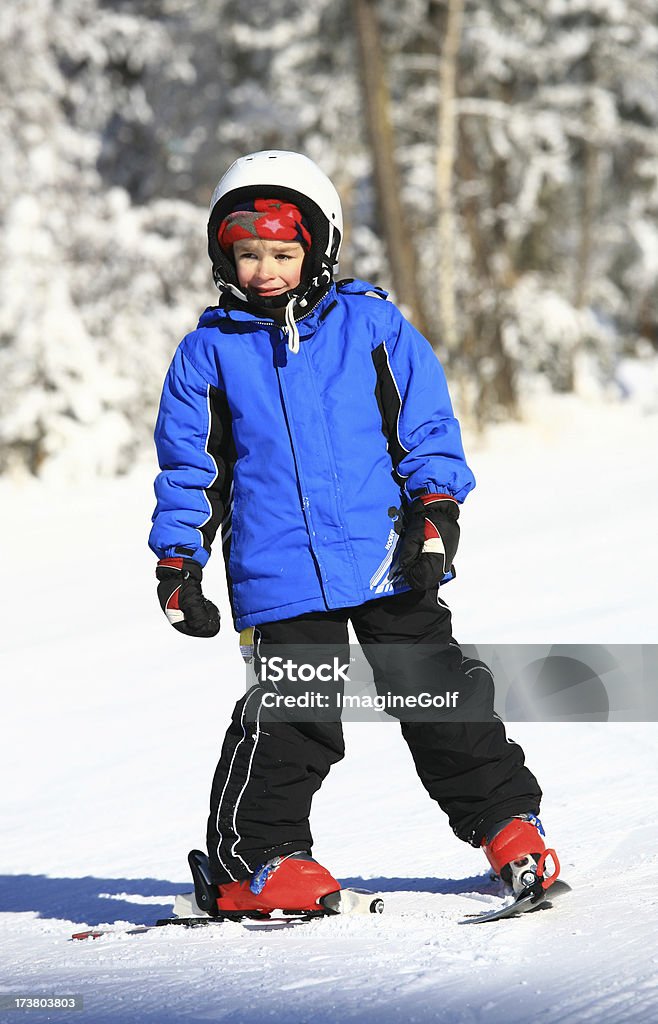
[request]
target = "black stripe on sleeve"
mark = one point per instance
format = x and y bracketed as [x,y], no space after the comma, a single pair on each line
[221,448]
[390,405]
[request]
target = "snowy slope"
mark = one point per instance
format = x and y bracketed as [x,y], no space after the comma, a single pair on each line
[112,724]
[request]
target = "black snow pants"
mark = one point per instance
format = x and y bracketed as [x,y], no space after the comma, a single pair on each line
[272,764]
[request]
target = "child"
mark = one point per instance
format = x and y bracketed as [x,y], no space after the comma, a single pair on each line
[313,423]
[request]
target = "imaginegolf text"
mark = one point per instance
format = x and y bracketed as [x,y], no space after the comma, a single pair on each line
[366,702]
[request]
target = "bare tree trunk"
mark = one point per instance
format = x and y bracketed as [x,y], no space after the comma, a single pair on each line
[399,245]
[589,203]
[444,173]
[588,208]
[488,372]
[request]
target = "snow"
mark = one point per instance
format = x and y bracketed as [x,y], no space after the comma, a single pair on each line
[113,722]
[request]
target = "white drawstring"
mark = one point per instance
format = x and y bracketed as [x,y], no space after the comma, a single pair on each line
[291,327]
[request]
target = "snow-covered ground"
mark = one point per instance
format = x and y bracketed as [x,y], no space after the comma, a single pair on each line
[112,724]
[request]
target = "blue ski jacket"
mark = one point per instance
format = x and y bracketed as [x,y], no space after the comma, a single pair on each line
[305,460]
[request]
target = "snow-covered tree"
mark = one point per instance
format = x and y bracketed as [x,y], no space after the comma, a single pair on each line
[554,177]
[560,157]
[93,288]
[120,115]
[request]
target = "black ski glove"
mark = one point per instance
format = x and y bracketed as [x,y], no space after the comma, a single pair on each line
[429,540]
[182,600]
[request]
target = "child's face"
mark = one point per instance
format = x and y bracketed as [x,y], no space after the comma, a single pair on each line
[268,268]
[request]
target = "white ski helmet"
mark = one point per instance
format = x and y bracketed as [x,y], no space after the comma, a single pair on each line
[277,174]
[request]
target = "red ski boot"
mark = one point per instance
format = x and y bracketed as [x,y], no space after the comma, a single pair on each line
[292,882]
[516,851]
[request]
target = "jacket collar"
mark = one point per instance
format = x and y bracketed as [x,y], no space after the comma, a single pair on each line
[307,323]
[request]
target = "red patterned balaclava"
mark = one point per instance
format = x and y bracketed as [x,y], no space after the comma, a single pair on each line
[269,219]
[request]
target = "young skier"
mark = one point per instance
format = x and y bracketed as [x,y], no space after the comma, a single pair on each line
[312,422]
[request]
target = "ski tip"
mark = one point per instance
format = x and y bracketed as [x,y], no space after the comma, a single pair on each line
[527,904]
[558,888]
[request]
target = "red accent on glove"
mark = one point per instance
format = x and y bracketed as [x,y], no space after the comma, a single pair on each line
[431,532]
[172,563]
[427,499]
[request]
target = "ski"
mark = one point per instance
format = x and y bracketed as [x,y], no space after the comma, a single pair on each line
[527,902]
[198,922]
[199,909]
[343,901]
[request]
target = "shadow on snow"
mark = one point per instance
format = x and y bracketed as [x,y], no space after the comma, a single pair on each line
[96,901]
[482,884]
[88,900]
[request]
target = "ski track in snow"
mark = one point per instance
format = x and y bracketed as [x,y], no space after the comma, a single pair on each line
[111,730]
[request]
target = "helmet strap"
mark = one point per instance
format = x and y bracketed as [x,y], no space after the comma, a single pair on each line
[312,292]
